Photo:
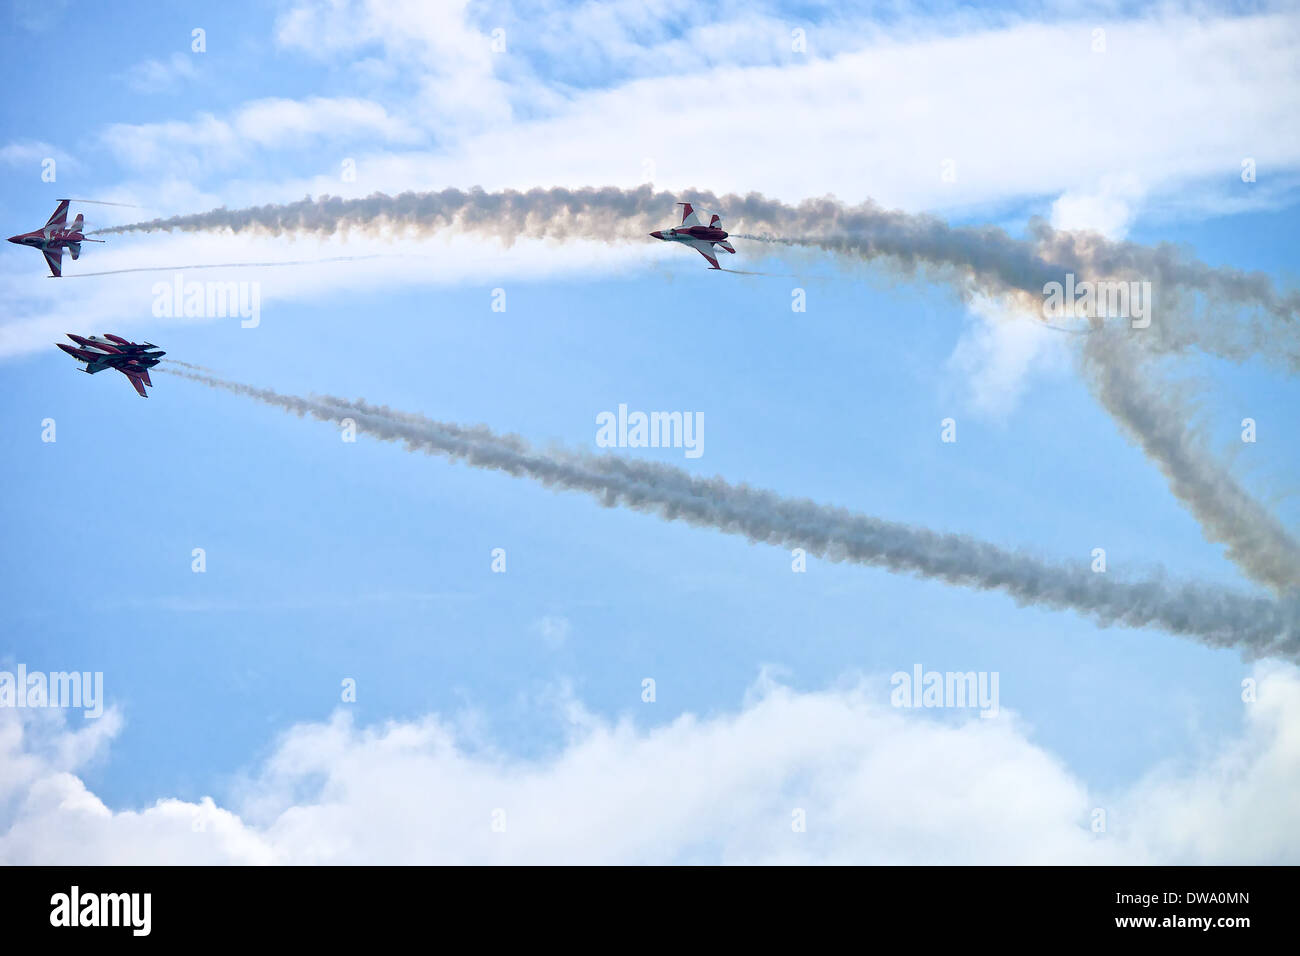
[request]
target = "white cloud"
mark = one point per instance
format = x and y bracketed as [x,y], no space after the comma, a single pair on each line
[162,76]
[1108,209]
[1022,111]
[39,307]
[452,59]
[554,630]
[33,153]
[209,143]
[999,350]
[876,785]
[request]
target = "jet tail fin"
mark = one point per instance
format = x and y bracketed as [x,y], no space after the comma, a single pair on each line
[78,224]
[75,249]
[725,244]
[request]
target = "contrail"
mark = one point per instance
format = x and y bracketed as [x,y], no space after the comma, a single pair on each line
[743,272]
[1211,614]
[100,202]
[1221,310]
[1256,541]
[224,265]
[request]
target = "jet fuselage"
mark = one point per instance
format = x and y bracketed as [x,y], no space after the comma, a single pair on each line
[41,239]
[683,234]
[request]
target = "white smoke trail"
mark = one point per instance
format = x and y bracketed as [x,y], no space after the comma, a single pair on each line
[1210,614]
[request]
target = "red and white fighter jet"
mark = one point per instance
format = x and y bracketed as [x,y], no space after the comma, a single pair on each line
[695,234]
[132,359]
[55,236]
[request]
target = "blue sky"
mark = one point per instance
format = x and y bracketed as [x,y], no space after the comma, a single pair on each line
[328,560]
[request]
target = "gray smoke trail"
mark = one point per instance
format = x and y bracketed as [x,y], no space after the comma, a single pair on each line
[1226,311]
[1256,541]
[1210,614]
[1222,310]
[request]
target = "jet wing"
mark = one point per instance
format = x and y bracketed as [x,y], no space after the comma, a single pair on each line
[84,355]
[705,249]
[688,215]
[54,258]
[136,381]
[60,215]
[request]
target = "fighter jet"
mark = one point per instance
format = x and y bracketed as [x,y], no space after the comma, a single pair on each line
[700,237]
[55,236]
[132,359]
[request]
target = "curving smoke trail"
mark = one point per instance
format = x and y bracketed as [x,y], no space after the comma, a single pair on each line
[1221,310]
[1210,614]
[1257,542]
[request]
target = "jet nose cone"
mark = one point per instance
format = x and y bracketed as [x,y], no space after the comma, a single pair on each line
[657,234]
[15,238]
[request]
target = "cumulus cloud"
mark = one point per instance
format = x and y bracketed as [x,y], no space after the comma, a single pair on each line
[450,57]
[858,142]
[999,351]
[1107,209]
[875,785]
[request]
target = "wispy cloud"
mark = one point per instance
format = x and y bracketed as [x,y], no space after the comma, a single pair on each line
[206,144]
[162,76]
[554,630]
[33,153]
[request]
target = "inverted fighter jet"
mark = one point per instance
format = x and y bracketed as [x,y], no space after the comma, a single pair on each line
[700,237]
[55,236]
[132,359]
